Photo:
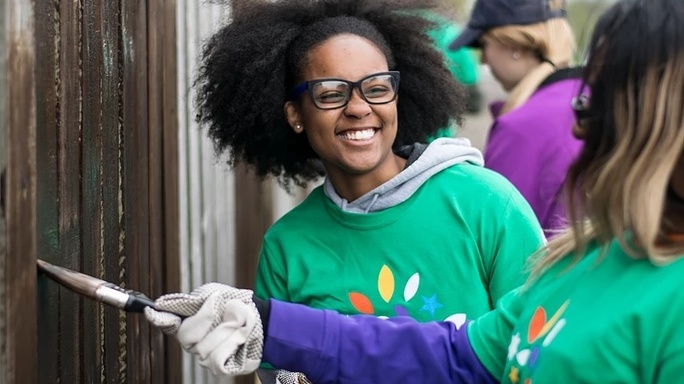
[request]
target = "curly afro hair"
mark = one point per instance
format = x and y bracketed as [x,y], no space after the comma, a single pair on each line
[250,65]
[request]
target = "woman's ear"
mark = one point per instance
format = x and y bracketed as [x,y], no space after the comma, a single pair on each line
[293,118]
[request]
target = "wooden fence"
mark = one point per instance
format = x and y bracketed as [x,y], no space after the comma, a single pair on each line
[103,170]
[90,147]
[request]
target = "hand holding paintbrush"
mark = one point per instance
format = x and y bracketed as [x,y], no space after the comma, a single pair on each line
[220,323]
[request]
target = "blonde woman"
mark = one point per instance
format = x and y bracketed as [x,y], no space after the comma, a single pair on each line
[605,304]
[528,46]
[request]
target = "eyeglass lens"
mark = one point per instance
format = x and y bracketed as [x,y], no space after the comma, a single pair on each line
[377,89]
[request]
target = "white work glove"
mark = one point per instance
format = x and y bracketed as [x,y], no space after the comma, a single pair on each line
[222,327]
[287,377]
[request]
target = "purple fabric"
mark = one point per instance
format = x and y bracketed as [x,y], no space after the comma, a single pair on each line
[533,146]
[332,348]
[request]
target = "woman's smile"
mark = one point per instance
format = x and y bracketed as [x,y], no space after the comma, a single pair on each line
[358,134]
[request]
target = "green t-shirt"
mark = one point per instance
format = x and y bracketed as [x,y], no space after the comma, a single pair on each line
[614,319]
[448,252]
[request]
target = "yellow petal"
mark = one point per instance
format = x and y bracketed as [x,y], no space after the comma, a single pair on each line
[386,283]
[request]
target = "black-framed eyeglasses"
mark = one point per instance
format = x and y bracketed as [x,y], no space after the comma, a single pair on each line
[580,107]
[378,88]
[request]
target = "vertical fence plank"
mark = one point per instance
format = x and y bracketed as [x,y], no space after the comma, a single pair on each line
[194,153]
[254,213]
[183,164]
[197,255]
[155,54]
[136,178]
[224,198]
[208,217]
[69,188]
[4,132]
[47,215]
[113,245]
[19,253]
[173,357]
[225,206]
[92,164]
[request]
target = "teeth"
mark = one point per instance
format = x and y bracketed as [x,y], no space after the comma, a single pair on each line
[366,134]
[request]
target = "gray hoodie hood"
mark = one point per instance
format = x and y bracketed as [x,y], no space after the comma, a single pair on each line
[435,157]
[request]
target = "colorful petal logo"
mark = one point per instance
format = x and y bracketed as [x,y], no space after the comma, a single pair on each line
[386,286]
[386,289]
[539,327]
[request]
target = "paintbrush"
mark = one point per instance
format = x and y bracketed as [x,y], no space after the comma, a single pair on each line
[97,289]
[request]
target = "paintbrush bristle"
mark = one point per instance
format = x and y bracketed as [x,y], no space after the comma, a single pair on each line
[78,282]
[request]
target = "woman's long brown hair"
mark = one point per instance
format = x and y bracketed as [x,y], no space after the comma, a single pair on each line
[634,139]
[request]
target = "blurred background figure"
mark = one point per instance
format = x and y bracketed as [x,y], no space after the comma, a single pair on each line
[528,45]
[463,63]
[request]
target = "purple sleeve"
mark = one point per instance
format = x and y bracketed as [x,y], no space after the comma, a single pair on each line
[332,348]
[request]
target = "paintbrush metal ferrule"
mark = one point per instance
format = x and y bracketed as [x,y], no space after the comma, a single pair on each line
[111,294]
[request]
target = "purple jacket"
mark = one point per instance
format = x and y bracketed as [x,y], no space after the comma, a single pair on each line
[533,146]
[346,349]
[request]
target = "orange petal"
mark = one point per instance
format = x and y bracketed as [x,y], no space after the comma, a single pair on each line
[536,324]
[361,303]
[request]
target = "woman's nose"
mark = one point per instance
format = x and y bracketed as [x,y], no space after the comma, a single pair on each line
[357,106]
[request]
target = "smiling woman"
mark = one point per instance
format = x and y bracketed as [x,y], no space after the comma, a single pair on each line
[351,128]
[358,87]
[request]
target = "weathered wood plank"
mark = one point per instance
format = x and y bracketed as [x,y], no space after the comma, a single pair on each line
[92,133]
[4,131]
[183,165]
[92,169]
[155,86]
[197,223]
[69,94]
[18,335]
[209,219]
[47,215]
[171,260]
[112,320]
[254,212]
[136,179]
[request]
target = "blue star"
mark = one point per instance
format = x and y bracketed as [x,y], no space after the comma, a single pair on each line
[430,304]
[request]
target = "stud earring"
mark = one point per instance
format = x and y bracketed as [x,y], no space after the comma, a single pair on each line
[298,127]
[516,55]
